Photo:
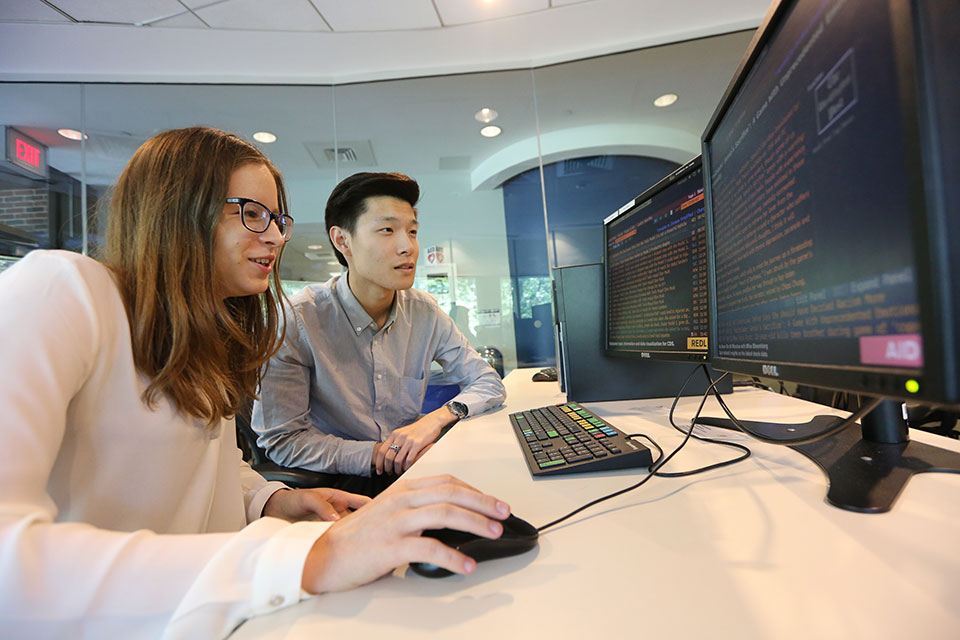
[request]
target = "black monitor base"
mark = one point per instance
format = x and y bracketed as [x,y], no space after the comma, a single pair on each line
[867,467]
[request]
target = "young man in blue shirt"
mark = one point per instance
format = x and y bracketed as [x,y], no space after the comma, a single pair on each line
[343,395]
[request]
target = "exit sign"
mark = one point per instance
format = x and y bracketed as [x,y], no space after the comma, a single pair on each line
[25,153]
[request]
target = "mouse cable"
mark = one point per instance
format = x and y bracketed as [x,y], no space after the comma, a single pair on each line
[653,467]
[826,433]
[744,451]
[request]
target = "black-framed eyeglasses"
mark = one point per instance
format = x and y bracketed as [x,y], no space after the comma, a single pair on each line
[256,217]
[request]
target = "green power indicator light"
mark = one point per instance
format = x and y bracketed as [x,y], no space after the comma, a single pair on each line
[912,386]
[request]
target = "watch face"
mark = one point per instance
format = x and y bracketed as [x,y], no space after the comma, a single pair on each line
[458,408]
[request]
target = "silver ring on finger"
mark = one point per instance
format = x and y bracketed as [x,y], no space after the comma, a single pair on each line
[395,447]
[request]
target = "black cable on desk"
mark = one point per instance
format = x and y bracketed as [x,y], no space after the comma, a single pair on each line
[826,433]
[745,452]
[653,467]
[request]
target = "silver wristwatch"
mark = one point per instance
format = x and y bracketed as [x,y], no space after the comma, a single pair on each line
[458,409]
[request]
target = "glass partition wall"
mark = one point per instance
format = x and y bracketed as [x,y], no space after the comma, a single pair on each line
[517,169]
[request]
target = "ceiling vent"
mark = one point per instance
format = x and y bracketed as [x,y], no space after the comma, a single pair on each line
[343,155]
[580,166]
[351,153]
[113,146]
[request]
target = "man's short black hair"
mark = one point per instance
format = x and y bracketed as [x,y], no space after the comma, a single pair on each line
[349,198]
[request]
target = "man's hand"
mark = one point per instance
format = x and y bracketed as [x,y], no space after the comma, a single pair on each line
[312,504]
[411,441]
[386,533]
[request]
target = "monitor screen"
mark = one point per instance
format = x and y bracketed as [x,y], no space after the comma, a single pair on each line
[828,223]
[655,272]
[812,197]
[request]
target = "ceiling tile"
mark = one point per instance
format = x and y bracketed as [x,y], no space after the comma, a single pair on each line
[185,20]
[122,11]
[257,15]
[467,11]
[378,15]
[30,10]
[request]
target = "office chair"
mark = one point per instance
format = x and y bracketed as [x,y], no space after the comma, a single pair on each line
[257,457]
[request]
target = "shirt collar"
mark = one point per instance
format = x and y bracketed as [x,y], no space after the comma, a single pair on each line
[358,317]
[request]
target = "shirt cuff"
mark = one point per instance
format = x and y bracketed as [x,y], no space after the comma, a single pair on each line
[355,457]
[255,508]
[475,405]
[279,571]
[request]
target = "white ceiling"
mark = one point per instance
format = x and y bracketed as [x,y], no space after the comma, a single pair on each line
[335,41]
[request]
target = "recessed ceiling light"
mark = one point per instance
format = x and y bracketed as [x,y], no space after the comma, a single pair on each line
[333,262]
[486,115]
[265,137]
[665,100]
[72,134]
[490,131]
[314,247]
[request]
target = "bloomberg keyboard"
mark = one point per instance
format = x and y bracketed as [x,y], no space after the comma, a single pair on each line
[567,438]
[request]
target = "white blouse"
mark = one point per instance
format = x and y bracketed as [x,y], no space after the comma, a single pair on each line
[118,520]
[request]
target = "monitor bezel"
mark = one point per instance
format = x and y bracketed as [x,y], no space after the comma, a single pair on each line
[937,381]
[675,176]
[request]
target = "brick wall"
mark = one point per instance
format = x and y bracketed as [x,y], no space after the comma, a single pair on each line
[25,209]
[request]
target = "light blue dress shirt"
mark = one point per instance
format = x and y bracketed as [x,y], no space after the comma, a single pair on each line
[339,384]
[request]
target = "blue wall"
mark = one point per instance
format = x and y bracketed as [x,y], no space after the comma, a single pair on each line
[580,194]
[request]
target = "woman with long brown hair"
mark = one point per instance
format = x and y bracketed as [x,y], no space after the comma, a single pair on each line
[125,509]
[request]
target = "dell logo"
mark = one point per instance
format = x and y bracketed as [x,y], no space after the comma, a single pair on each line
[771,370]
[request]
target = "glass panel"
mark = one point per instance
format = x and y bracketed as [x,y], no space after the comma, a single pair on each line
[41,193]
[604,141]
[121,117]
[425,128]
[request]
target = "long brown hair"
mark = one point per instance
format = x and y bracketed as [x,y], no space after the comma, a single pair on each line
[203,352]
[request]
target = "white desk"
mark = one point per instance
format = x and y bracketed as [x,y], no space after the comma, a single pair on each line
[749,551]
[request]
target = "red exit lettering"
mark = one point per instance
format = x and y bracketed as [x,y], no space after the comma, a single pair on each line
[28,153]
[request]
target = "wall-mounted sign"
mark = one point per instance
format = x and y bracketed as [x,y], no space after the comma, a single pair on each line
[25,153]
[488,317]
[435,255]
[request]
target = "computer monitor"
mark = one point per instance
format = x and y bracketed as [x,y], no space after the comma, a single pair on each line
[830,225]
[655,271]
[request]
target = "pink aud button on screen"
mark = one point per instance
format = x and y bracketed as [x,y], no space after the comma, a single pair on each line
[904,350]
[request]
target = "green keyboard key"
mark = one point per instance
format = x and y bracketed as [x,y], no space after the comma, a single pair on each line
[551,463]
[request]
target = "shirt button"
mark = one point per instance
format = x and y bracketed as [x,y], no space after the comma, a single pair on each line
[379,406]
[379,376]
[276,601]
[359,329]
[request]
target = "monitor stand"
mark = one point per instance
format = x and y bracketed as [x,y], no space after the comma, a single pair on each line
[866,467]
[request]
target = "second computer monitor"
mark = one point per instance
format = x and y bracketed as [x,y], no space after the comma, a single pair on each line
[655,272]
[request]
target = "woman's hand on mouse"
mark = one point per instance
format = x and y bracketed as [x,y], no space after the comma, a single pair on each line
[385,533]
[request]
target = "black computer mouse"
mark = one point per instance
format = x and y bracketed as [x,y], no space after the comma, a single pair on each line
[545,375]
[518,536]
